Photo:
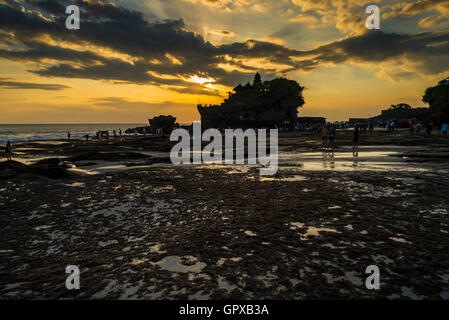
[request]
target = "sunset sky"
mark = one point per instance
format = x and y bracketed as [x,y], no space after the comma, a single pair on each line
[135,59]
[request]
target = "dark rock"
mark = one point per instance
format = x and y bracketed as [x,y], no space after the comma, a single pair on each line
[105,156]
[260,105]
[50,168]
[10,169]
[166,123]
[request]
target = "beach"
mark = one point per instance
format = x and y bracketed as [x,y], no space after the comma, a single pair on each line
[141,228]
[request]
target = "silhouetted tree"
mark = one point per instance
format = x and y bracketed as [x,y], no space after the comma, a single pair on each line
[438,99]
[257,79]
[282,89]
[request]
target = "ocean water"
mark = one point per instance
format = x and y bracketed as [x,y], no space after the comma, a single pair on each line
[29,132]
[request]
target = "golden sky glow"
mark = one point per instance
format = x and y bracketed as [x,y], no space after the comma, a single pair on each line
[137,59]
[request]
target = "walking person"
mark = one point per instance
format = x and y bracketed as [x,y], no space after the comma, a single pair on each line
[325,135]
[411,128]
[418,128]
[68,135]
[332,132]
[429,127]
[444,128]
[331,136]
[355,141]
[8,151]
[392,125]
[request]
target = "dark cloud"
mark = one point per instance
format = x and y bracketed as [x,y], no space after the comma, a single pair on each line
[422,6]
[153,49]
[424,48]
[5,83]
[119,102]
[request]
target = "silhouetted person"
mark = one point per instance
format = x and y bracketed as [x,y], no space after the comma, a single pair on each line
[355,141]
[411,128]
[332,133]
[429,127]
[418,128]
[444,128]
[8,151]
[325,135]
[68,135]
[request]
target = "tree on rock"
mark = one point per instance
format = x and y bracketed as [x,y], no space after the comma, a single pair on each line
[283,90]
[438,99]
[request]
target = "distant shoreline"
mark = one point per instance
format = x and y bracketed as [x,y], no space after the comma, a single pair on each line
[69,124]
[81,124]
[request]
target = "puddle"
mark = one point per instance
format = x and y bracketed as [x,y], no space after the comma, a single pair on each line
[76,184]
[352,277]
[158,190]
[44,227]
[407,292]
[130,292]
[116,211]
[369,158]
[104,244]
[250,233]
[313,231]
[222,283]
[239,170]
[292,178]
[444,278]
[175,264]
[106,291]
[401,240]
[135,262]
[296,225]
[156,248]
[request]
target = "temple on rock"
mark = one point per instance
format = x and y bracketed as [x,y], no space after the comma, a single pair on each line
[258,105]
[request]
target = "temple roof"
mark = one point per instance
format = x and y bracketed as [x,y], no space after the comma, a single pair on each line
[444,81]
[248,86]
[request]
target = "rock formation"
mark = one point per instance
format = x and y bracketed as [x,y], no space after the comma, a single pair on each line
[262,104]
[166,123]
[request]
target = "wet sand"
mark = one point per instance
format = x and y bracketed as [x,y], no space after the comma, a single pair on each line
[141,228]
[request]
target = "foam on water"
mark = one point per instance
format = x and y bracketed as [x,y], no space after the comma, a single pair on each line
[32,132]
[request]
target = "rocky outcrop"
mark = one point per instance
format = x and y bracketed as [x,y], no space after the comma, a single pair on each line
[254,106]
[51,168]
[166,123]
